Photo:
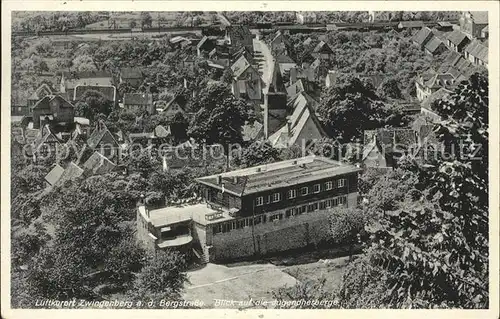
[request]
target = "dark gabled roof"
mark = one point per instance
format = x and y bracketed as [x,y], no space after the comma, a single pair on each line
[45,101]
[98,134]
[98,164]
[284,59]
[433,44]
[54,175]
[137,99]
[422,35]
[131,73]
[478,50]
[322,47]
[457,37]
[43,90]
[109,92]
[240,66]
[240,34]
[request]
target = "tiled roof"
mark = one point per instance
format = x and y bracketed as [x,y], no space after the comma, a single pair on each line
[54,175]
[433,44]
[71,172]
[98,134]
[131,73]
[457,37]
[303,112]
[322,47]
[422,35]
[41,91]
[478,50]
[240,66]
[252,131]
[109,92]
[98,164]
[278,175]
[137,99]
[73,79]
[45,101]
[284,59]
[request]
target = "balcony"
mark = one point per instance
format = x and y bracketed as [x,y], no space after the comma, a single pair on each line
[179,240]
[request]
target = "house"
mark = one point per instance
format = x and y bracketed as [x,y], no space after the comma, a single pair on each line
[176,103]
[411,25]
[131,76]
[423,36]
[322,51]
[98,164]
[220,55]
[252,131]
[43,90]
[46,144]
[473,22]
[69,80]
[485,33]
[477,53]
[285,63]
[188,62]
[279,44]
[427,105]
[384,147]
[54,175]
[301,127]
[431,81]
[444,26]
[239,36]
[306,17]
[247,82]
[435,47]
[180,42]
[19,103]
[108,92]
[243,51]
[53,109]
[139,103]
[457,40]
[205,45]
[330,78]
[249,212]
[103,141]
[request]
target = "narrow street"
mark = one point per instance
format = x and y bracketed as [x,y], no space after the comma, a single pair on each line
[264,58]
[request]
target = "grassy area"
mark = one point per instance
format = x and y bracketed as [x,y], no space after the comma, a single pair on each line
[123,20]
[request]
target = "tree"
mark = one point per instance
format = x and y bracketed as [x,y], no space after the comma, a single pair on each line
[178,127]
[346,226]
[351,107]
[132,24]
[162,277]
[432,249]
[146,19]
[93,103]
[389,89]
[257,153]
[84,63]
[220,117]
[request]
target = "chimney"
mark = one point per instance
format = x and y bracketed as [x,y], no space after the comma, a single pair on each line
[288,126]
[185,83]
[142,202]
[293,75]
[219,179]
[235,179]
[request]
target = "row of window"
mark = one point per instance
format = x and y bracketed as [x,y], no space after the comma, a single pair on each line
[249,221]
[304,191]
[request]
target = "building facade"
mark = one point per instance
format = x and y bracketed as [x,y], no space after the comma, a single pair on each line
[255,211]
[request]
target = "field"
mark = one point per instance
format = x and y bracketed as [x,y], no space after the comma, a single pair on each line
[123,20]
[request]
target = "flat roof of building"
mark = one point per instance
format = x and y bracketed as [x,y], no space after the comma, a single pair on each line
[277,175]
[201,213]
